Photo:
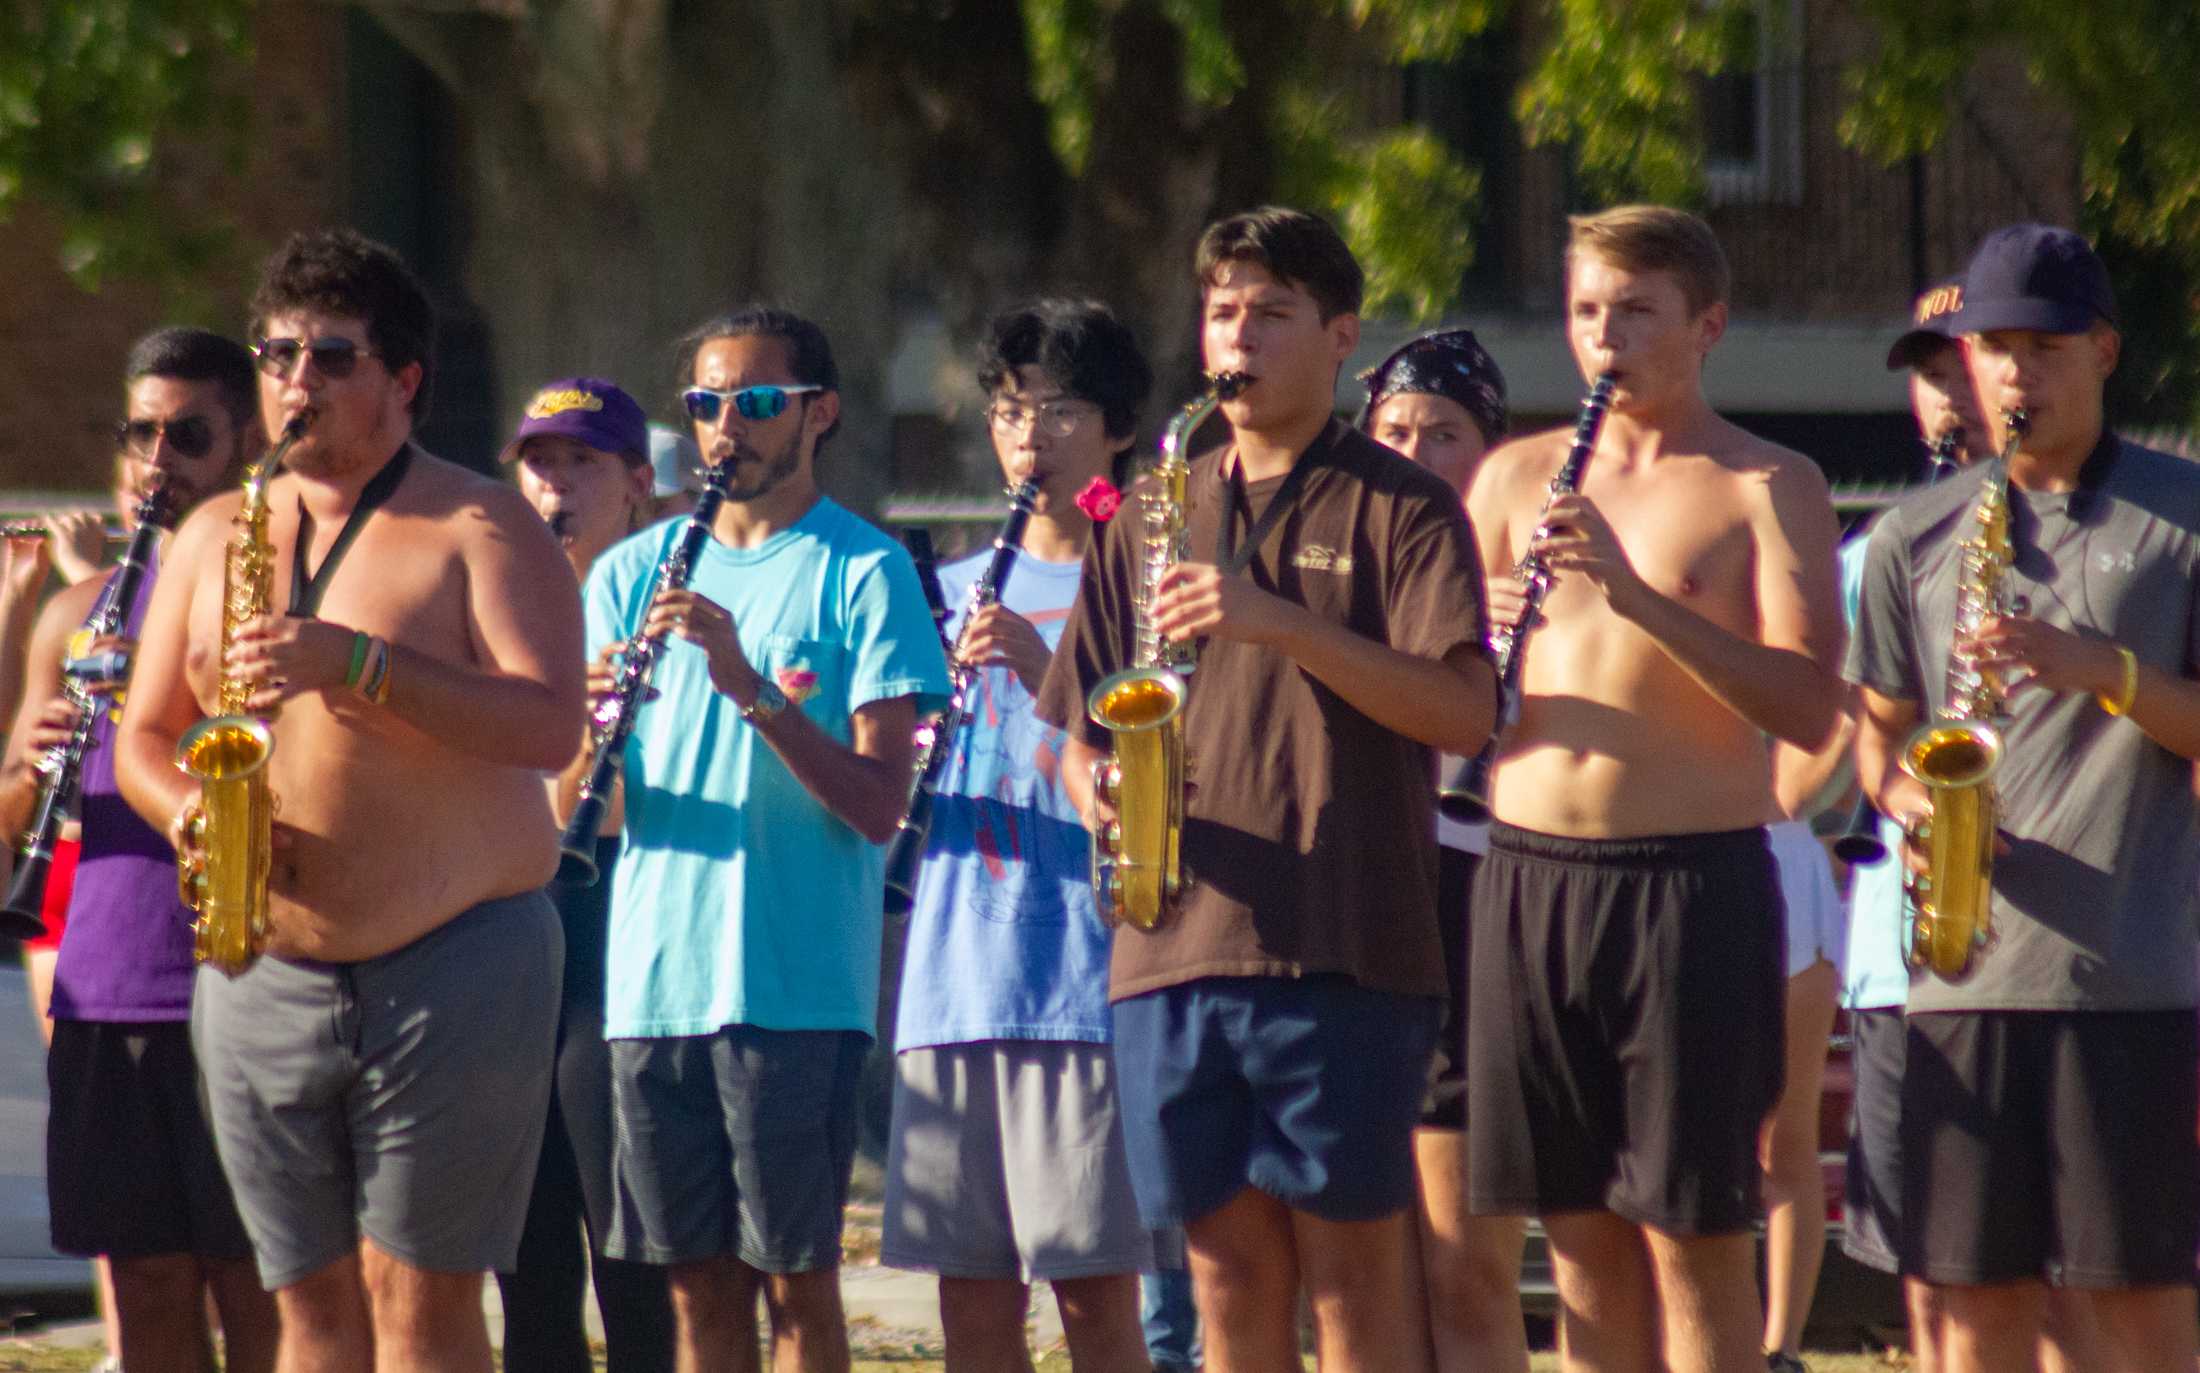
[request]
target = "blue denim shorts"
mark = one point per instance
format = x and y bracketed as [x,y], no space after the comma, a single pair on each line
[1306,1088]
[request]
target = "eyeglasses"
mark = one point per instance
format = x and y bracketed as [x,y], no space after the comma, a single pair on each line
[192,436]
[750,402]
[1058,418]
[333,358]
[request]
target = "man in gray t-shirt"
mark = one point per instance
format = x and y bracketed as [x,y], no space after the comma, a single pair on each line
[2049,1107]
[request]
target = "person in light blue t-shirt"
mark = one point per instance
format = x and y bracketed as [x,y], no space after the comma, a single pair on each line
[763,774]
[1005,1160]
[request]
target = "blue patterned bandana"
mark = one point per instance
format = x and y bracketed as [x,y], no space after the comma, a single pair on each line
[1449,363]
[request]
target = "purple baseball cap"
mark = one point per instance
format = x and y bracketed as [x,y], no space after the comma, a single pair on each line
[588,410]
[2034,276]
[1929,321]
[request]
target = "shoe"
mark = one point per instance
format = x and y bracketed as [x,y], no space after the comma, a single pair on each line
[1777,1362]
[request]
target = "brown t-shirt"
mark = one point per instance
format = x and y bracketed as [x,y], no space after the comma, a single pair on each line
[1309,834]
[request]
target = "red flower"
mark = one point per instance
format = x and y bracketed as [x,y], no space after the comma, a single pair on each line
[1100,500]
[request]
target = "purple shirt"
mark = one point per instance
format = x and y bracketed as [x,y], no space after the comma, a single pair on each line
[126,954]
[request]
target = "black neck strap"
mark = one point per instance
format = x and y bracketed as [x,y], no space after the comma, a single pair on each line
[306,591]
[1233,558]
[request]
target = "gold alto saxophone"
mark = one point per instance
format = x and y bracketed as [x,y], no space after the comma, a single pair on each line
[221,869]
[1136,872]
[1957,753]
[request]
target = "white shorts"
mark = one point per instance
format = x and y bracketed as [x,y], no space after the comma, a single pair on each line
[1817,922]
[1006,1161]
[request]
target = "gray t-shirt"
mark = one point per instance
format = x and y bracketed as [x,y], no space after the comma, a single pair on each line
[2094,906]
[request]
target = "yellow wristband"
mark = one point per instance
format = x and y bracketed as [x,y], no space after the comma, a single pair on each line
[2122,704]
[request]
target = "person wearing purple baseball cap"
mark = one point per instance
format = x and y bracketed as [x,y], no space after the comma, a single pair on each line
[581,457]
[2050,1097]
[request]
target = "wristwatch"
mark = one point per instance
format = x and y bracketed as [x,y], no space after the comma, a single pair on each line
[770,700]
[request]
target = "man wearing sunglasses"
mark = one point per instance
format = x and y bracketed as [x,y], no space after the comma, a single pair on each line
[131,1170]
[378,1101]
[770,764]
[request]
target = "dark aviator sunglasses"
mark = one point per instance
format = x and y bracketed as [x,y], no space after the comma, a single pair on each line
[334,358]
[191,436]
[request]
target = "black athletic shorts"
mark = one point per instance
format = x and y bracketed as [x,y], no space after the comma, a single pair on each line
[1626,1026]
[1445,1106]
[1871,1207]
[130,1163]
[2053,1145]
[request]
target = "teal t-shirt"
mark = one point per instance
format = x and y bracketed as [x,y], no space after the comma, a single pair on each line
[739,899]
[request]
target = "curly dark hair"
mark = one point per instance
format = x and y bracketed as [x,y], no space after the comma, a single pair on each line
[809,353]
[1080,346]
[343,272]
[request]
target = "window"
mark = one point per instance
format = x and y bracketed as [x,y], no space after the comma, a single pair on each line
[1753,116]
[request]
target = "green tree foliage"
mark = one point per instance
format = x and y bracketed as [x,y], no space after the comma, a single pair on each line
[88,89]
[1403,199]
[2124,71]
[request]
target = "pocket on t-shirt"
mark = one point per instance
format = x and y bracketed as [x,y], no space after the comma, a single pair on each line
[812,672]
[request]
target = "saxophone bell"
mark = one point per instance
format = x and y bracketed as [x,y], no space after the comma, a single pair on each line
[1136,869]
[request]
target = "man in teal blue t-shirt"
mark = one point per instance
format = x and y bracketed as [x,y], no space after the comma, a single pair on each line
[760,779]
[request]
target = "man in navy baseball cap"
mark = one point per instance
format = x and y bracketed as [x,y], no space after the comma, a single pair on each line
[1941,396]
[2035,276]
[2049,1104]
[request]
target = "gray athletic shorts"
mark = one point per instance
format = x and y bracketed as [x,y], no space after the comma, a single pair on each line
[735,1143]
[402,1098]
[1006,1161]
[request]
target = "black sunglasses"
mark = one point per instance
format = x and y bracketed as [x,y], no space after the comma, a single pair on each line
[333,358]
[192,436]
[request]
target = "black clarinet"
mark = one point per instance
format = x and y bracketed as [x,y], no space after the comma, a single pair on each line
[1465,794]
[21,917]
[613,721]
[1859,844]
[936,741]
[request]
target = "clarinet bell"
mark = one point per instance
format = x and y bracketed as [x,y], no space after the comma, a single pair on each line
[1859,844]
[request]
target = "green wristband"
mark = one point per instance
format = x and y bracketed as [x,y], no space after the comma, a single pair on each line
[359,642]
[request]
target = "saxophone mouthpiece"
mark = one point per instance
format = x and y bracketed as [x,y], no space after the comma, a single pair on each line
[1228,385]
[2017,421]
[300,420]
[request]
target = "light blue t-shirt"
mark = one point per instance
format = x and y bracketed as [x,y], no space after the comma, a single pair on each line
[739,899]
[1874,974]
[1003,939]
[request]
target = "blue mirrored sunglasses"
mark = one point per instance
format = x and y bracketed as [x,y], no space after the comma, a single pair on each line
[750,402]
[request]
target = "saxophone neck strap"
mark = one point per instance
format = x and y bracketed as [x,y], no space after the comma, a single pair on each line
[1231,557]
[306,591]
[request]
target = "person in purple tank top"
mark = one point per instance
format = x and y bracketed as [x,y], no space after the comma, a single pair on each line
[130,1164]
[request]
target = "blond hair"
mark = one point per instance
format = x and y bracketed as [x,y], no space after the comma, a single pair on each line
[1656,238]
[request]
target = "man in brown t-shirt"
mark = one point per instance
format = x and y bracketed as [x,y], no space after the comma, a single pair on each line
[1272,1031]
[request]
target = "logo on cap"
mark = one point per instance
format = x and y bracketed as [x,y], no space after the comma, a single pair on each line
[1937,304]
[557,402]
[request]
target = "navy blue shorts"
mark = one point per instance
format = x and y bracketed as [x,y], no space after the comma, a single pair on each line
[1306,1088]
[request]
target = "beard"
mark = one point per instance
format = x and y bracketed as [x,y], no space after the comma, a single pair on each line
[772,473]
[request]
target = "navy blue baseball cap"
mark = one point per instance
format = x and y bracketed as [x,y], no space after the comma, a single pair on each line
[2034,276]
[1929,320]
